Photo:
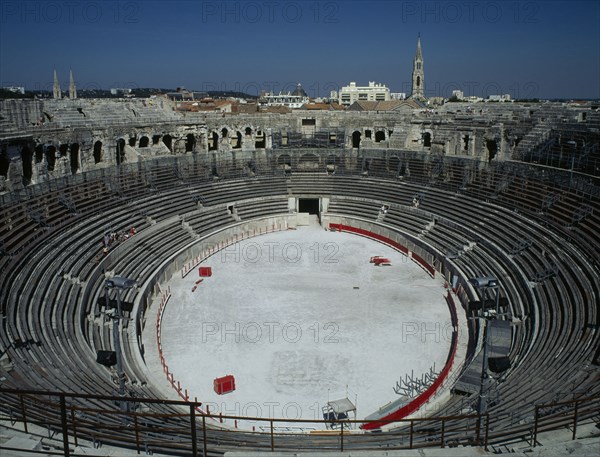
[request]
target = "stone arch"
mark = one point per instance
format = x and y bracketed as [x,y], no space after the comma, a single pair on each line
[379,136]
[190,142]
[368,134]
[144,142]
[356,135]
[74,158]
[4,162]
[97,152]
[308,162]
[132,141]
[168,141]
[237,142]
[248,131]
[284,159]
[39,153]
[50,154]
[120,151]
[260,140]
[426,137]
[63,150]
[26,163]
[224,132]
[492,149]
[213,141]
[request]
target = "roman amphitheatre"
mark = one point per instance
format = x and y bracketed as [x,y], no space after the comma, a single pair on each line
[488,219]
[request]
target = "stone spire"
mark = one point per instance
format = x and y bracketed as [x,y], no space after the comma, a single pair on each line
[418,76]
[56,92]
[72,88]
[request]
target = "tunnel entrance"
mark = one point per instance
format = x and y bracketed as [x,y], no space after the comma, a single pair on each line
[308,205]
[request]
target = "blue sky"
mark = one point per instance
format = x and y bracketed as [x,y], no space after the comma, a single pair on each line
[545,49]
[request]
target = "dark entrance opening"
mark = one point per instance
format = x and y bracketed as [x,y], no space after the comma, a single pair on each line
[4,162]
[97,152]
[26,160]
[74,158]
[120,152]
[427,139]
[308,205]
[356,139]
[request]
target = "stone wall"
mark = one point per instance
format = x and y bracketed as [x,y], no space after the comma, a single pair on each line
[45,139]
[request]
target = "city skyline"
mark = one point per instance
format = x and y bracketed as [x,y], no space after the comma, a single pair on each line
[527,49]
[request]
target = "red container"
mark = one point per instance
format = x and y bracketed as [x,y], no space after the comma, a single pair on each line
[224,385]
[205,272]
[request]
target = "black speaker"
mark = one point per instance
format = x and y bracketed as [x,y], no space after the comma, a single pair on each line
[106,358]
[498,364]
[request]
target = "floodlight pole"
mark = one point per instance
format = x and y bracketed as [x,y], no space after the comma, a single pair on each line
[120,284]
[117,338]
[484,284]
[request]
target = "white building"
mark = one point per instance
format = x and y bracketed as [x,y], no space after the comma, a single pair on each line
[398,95]
[373,92]
[458,94]
[15,89]
[293,100]
[499,98]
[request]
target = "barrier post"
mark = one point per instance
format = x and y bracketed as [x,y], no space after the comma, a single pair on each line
[23,413]
[272,437]
[535,426]
[204,446]
[63,421]
[137,432]
[443,432]
[74,426]
[193,430]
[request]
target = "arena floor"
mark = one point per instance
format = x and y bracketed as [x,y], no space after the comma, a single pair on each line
[299,318]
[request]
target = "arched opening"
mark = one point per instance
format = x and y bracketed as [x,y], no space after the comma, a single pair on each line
[379,136]
[260,140]
[39,153]
[224,132]
[466,143]
[144,142]
[284,160]
[4,162]
[426,139]
[26,159]
[63,149]
[155,139]
[97,152]
[238,141]
[168,142]
[418,81]
[132,142]
[74,158]
[50,157]
[492,148]
[368,134]
[120,151]
[248,131]
[190,142]
[356,139]
[213,141]
[308,162]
